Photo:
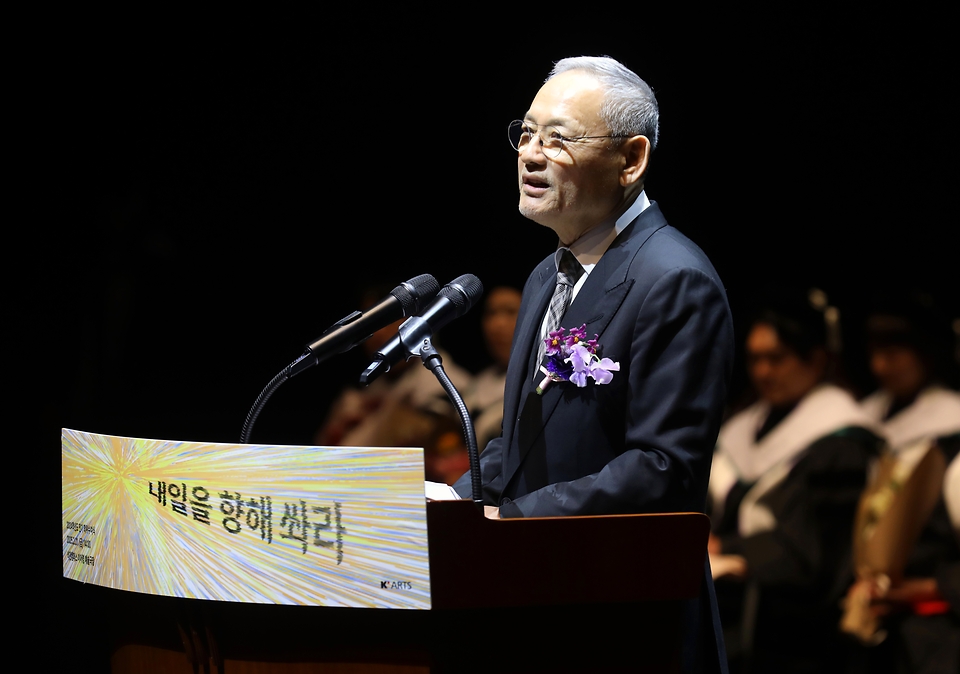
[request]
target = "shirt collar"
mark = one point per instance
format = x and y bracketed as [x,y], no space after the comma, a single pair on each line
[590,247]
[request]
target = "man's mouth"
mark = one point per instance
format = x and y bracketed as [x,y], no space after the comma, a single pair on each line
[534,185]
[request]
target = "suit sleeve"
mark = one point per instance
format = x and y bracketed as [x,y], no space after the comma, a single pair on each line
[680,359]
[491,474]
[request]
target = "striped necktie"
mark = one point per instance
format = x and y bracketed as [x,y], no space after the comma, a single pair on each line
[568,274]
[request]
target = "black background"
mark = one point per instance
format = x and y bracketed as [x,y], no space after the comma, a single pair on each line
[230,193]
[220,192]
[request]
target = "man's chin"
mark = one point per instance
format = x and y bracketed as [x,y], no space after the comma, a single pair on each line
[536,214]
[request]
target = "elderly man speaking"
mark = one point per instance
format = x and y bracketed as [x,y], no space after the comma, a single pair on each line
[624,343]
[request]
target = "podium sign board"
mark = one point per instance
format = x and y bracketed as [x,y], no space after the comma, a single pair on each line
[322,526]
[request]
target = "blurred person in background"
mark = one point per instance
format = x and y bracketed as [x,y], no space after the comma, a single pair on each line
[486,397]
[787,474]
[911,353]
[911,350]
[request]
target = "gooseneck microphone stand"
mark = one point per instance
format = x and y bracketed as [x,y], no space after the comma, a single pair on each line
[406,299]
[418,342]
[433,362]
[264,396]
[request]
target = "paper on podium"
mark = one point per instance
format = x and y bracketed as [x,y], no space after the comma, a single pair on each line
[438,491]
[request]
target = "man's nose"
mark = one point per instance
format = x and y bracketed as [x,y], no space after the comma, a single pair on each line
[532,152]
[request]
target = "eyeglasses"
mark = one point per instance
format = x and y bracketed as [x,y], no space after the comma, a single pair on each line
[520,134]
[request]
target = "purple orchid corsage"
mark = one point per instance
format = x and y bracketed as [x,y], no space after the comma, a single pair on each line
[572,357]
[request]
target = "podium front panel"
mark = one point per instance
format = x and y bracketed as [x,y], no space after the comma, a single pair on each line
[323,526]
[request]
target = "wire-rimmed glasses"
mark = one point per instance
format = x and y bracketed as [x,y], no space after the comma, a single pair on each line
[521,132]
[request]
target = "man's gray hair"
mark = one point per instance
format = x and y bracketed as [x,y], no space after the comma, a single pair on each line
[629,107]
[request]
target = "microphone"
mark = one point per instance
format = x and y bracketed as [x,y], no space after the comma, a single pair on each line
[407,299]
[453,301]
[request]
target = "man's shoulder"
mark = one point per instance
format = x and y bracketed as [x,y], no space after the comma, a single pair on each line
[656,247]
[668,238]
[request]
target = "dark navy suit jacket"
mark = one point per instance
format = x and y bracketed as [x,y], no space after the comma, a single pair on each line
[644,442]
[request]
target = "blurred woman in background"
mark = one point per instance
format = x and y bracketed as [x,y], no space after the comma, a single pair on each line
[787,474]
[911,350]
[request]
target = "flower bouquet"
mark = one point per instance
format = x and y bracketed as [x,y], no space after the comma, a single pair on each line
[572,357]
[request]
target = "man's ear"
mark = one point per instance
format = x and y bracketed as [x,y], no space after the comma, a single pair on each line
[636,156]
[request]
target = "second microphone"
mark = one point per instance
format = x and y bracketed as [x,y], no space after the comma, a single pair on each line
[453,301]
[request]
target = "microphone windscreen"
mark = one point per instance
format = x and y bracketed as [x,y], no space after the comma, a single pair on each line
[415,293]
[463,291]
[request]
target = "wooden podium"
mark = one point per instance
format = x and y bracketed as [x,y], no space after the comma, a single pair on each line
[574,594]
[186,578]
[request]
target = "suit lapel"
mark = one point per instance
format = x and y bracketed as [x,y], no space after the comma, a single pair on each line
[596,304]
[608,283]
[523,353]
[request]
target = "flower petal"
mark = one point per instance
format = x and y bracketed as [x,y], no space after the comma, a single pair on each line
[601,376]
[608,364]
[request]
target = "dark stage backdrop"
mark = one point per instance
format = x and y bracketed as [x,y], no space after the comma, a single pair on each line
[225,200]
[219,193]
